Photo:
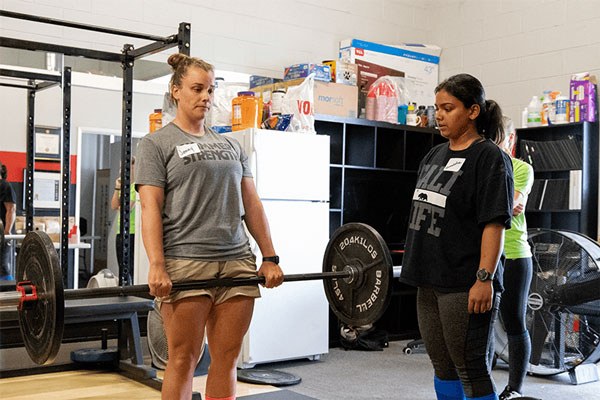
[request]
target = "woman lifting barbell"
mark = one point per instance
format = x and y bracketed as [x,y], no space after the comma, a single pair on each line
[196,189]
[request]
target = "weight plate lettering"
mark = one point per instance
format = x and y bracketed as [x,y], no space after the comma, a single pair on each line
[42,321]
[363,298]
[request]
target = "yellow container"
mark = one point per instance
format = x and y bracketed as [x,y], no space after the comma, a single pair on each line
[245,111]
[156,120]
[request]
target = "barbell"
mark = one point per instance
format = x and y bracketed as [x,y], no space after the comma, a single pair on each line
[357,278]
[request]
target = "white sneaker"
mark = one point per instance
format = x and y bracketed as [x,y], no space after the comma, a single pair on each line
[508,393]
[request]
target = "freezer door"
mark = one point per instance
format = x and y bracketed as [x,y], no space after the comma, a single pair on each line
[287,165]
[291,321]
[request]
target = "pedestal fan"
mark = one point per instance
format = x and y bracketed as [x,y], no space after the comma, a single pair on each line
[563,307]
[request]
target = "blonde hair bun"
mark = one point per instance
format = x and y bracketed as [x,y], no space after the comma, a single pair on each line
[176,59]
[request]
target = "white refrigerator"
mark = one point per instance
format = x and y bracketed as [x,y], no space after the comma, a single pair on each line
[291,172]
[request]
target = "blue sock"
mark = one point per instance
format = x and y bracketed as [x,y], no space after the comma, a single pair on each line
[7,278]
[448,390]
[492,396]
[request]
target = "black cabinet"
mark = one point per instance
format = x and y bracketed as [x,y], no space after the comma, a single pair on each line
[373,174]
[565,162]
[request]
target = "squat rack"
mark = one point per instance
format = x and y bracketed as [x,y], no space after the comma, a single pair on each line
[127,58]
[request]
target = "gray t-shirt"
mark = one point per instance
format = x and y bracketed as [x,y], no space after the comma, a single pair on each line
[201,178]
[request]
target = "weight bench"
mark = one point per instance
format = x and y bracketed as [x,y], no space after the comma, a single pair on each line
[123,308]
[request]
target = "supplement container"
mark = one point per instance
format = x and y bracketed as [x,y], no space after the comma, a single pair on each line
[245,111]
[155,120]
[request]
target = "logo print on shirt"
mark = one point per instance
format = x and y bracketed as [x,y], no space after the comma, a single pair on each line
[210,151]
[432,191]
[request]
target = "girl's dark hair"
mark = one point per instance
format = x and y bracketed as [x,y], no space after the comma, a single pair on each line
[3,172]
[470,91]
[179,64]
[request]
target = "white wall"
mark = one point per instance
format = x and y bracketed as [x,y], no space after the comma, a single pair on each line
[258,36]
[518,48]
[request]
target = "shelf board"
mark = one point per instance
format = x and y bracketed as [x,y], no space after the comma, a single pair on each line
[542,171]
[544,129]
[552,211]
[358,167]
[378,124]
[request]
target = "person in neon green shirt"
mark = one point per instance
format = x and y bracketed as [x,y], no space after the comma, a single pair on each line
[518,270]
[115,204]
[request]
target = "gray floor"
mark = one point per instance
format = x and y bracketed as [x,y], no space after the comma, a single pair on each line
[393,375]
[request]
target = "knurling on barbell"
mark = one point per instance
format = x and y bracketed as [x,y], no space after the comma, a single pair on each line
[357,276]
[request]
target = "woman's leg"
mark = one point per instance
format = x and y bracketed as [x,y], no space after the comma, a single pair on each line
[467,338]
[513,308]
[446,383]
[227,324]
[184,322]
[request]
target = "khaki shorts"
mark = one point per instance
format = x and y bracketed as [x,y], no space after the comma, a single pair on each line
[192,270]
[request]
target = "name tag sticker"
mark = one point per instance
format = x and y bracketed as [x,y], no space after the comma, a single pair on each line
[454,164]
[185,150]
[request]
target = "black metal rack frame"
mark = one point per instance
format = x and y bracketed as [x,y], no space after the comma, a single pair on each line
[127,58]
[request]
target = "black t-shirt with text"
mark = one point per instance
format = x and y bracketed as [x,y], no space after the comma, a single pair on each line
[457,194]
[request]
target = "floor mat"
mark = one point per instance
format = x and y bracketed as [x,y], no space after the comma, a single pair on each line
[277,395]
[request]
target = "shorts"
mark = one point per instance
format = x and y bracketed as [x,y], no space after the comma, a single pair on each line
[183,270]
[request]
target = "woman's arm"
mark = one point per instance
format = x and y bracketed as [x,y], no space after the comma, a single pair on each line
[518,203]
[492,243]
[258,225]
[115,201]
[152,201]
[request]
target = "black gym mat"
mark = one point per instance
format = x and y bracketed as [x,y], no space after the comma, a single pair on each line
[277,395]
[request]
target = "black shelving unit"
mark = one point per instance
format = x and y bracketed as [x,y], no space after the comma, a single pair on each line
[373,174]
[562,197]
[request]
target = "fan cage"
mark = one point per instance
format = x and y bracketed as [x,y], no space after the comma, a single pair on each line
[571,334]
[157,340]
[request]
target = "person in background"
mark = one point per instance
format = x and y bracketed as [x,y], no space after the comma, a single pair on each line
[8,213]
[115,204]
[518,270]
[197,191]
[461,206]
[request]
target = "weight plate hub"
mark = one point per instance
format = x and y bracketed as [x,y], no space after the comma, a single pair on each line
[41,322]
[363,299]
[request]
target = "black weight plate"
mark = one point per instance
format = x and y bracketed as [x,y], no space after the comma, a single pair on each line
[94,356]
[267,377]
[364,300]
[42,322]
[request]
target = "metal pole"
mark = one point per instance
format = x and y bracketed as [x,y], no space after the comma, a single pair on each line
[192,285]
[127,65]
[69,276]
[30,158]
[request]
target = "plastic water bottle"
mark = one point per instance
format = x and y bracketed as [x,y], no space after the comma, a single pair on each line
[534,109]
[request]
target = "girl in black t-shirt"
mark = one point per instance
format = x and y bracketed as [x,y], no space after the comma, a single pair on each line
[461,206]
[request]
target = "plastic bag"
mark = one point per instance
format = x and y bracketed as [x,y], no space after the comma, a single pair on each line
[299,101]
[384,97]
[220,116]
[169,109]
[365,338]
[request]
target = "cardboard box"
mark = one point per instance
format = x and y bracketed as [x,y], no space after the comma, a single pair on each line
[418,62]
[257,80]
[329,98]
[368,73]
[336,99]
[583,99]
[343,72]
[322,72]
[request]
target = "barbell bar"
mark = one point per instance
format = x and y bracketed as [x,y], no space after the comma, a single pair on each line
[357,275]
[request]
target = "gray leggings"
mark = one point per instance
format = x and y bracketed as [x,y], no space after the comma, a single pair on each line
[457,342]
